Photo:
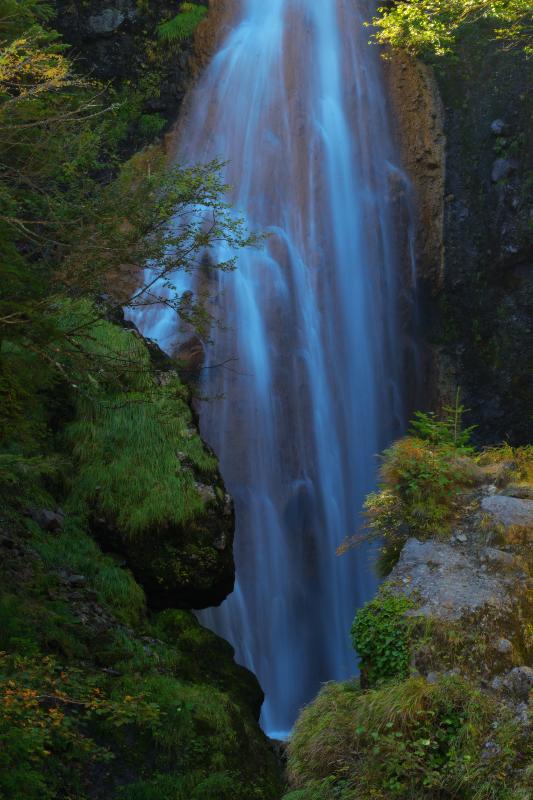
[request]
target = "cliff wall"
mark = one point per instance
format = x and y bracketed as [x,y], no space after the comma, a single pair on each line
[463,127]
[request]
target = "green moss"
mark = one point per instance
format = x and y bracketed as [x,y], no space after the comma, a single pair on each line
[171,787]
[119,591]
[75,552]
[131,440]
[183,25]
[328,789]
[219,786]
[178,714]
[206,658]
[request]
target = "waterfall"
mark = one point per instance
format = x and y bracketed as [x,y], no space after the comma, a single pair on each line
[293,101]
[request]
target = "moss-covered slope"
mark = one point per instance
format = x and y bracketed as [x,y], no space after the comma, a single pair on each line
[102,699]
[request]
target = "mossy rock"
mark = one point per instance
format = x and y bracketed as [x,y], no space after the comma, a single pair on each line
[144,478]
[205,657]
[189,566]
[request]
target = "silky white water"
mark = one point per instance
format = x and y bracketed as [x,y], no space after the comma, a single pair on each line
[294,101]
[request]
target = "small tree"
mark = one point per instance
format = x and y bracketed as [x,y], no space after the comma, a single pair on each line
[445,428]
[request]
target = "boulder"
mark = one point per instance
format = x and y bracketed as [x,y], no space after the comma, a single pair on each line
[509,510]
[449,584]
[179,566]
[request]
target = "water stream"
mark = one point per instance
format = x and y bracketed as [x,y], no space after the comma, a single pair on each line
[294,101]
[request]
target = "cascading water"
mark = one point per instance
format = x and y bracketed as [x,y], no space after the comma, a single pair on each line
[293,101]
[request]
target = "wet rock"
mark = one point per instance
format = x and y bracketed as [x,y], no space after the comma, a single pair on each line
[519,681]
[501,169]
[509,510]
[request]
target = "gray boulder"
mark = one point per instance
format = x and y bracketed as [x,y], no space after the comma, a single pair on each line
[450,584]
[111,18]
[509,510]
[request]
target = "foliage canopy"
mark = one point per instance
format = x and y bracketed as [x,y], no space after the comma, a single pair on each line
[432,27]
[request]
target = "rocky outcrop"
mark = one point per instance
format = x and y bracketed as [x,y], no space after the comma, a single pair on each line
[187,566]
[486,304]
[449,582]
[115,40]
[473,593]
[508,510]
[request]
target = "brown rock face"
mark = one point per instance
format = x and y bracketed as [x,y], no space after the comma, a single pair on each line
[209,33]
[418,115]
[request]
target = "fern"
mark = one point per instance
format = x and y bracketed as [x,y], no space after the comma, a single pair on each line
[183,25]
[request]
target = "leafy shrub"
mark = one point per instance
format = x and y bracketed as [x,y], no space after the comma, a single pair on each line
[422,476]
[409,740]
[421,484]
[44,711]
[380,635]
[445,428]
